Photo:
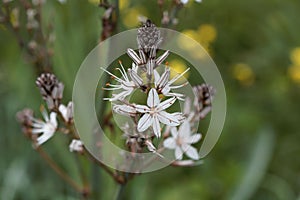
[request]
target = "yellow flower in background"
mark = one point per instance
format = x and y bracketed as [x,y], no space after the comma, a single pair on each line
[94,1]
[177,67]
[186,45]
[295,56]
[123,4]
[207,33]
[243,73]
[131,16]
[294,73]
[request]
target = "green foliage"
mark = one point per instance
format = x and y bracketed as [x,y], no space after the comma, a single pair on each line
[248,162]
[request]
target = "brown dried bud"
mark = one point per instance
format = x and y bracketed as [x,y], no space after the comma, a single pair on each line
[203,97]
[25,117]
[51,90]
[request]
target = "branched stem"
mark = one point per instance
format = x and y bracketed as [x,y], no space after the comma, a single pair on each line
[58,170]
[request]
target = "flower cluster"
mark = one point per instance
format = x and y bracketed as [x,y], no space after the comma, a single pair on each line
[40,131]
[152,119]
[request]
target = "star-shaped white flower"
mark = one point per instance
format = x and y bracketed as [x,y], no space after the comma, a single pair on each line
[76,145]
[181,141]
[126,84]
[66,111]
[154,113]
[164,85]
[46,128]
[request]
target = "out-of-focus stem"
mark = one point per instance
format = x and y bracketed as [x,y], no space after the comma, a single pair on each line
[120,192]
[58,170]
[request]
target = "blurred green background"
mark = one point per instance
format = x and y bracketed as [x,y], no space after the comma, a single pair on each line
[256,46]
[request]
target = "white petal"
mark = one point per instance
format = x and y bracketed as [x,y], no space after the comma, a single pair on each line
[170,143]
[192,139]
[38,124]
[142,56]
[156,77]
[161,58]
[53,120]
[63,110]
[144,122]
[178,116]
[150,66]
[167,119]
[164,78]
[124,109]
[174,132]
[142,108]
[166,104]
[44,137]
[165,90]
[156,127]
[191,152]
[134,67]
[153,98]
[178,153]
[184,130]
[131,53]
[184,1]
[135,77]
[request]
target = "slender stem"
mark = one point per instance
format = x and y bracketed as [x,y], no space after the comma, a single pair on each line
[120,192]
[81,171]
[58,170]
[116,177]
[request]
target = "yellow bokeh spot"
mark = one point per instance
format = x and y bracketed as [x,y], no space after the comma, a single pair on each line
[295,56]
[188,45]
[94,1]
[191,33]
[294,73]
[130,19]
[177,67]
[243,73]
[207,33]
[123,4]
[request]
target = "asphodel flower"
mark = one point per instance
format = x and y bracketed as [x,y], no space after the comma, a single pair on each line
[46,128]
[125,84]
[181,141]
[164,85]
[154,113]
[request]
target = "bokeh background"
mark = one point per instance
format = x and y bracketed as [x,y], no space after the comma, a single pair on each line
[256,46]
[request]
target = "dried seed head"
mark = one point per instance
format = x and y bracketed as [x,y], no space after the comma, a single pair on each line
[148,37]
[51,89]
[203,96]
[25,117]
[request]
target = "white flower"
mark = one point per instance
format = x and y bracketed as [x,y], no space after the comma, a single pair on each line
[186,1]
[181,141]
[66,111]
[164,85]
[126,84]
[47,128]
[76,145]
[141,60]
[154,113]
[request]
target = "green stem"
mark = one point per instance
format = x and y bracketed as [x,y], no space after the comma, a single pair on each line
[120,192]
[58,170]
